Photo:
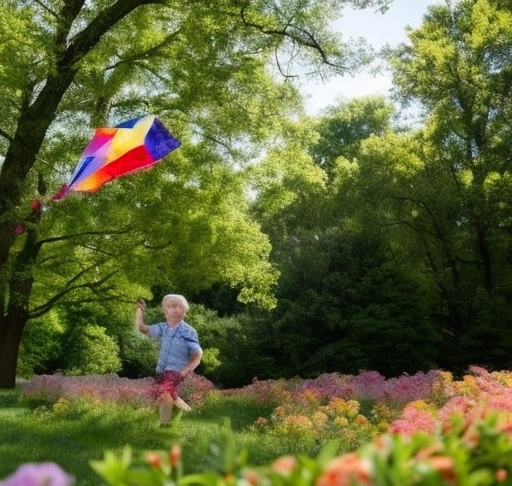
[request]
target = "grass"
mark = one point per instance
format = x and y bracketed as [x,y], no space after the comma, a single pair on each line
[74,433]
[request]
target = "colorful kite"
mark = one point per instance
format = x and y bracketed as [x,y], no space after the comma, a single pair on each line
[128,147]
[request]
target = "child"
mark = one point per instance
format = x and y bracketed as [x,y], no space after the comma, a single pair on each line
[180,352]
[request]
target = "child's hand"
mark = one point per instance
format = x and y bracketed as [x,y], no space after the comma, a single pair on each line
[141,304]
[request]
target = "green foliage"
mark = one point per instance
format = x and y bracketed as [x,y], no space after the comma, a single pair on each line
[10,398]
[41,349]
[91,351]
[345,300]
[73,434]
[242,410]
[456,66]
[210,361]
[138,355]
[353,308]
[232,343]
[343,127]
[184,225]
[226,465]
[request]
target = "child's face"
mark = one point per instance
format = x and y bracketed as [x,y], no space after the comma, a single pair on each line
[173,309]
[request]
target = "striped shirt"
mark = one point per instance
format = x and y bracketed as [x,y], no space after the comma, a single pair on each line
[177,345]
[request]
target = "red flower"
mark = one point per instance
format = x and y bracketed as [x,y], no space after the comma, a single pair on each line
[35,205]
[19,229]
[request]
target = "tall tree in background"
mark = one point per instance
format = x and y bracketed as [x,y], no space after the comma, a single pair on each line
[457,68]
[395,248]
[67,66]
[342,292]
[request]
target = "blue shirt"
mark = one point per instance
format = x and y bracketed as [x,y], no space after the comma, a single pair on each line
[177,345]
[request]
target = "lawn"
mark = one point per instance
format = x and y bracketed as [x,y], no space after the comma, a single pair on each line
[72,433]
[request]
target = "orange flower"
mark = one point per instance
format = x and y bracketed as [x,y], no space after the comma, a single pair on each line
[154,460]
[251,477]
[444,465]
[346,470]
[175,455]
[501,475]
[284,465]
[280,411]
[382,443]
[429,451]
[229,478]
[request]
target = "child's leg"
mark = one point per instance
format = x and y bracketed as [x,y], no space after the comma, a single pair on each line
[181,404]
[165,409]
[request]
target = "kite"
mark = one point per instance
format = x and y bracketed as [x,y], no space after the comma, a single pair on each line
[131,146]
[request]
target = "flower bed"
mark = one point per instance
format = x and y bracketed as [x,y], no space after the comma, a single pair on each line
[426,429]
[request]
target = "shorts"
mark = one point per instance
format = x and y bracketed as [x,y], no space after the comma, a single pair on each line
[166,383]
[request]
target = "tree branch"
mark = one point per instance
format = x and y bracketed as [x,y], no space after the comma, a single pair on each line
[151,51]
[6,135]
[70,287]
[85,233]
[87,38]
[307,39]
[45,7]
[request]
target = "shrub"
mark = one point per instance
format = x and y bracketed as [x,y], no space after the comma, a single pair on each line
[47,389]
[94,353]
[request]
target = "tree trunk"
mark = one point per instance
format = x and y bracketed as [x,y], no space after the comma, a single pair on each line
[11,330]
[18,312]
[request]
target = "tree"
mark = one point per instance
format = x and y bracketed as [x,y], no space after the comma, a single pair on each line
[457,68]
[343,127]
[35,87]
[345,301]
[75,64]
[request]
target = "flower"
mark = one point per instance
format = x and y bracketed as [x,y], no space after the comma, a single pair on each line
[251,477]
[501,475]
[154,460]
[175,455]
[445,466]
[42,474]
[284,465]
[346,470]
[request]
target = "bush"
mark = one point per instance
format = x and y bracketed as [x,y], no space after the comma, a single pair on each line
[139,355]
[94,352]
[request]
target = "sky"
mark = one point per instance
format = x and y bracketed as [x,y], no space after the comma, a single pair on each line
[379,30]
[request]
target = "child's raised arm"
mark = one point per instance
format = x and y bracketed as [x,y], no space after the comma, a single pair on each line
[139,317]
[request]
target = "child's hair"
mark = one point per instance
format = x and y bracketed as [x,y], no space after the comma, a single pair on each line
[178,298]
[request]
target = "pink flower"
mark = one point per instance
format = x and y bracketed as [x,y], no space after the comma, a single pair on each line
[42,474]
[284,465]
[19,229]
[412,421]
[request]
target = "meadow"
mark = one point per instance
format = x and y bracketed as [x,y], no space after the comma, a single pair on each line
[427,428]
